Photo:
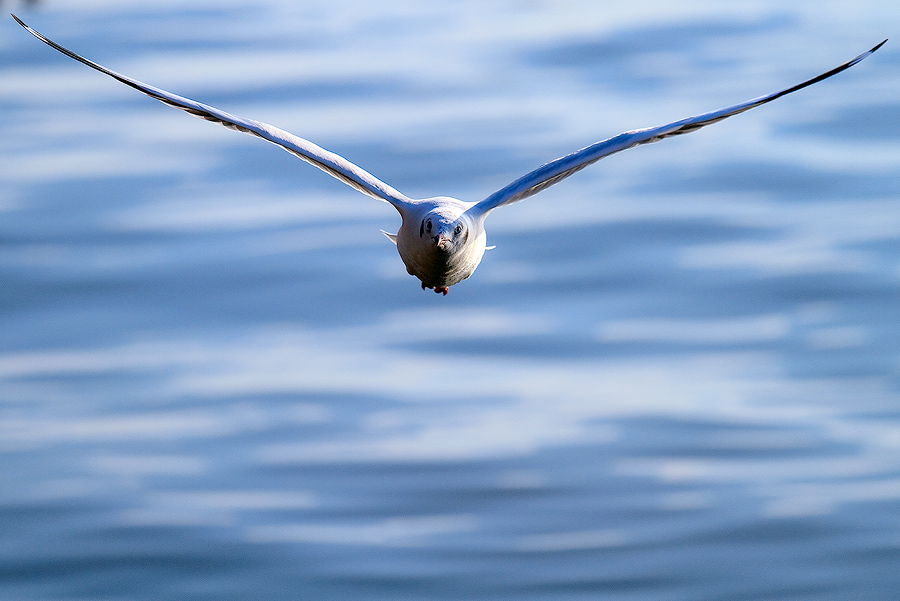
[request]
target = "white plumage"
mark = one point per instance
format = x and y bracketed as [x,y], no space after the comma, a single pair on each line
[442,240]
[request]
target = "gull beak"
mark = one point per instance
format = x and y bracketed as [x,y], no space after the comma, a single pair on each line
[442,241]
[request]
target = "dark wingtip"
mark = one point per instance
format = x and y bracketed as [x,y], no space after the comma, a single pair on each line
[878,46]
[21,22]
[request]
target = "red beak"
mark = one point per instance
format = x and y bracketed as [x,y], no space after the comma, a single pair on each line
[442,242]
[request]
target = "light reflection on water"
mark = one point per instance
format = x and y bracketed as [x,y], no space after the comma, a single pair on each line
[674,378]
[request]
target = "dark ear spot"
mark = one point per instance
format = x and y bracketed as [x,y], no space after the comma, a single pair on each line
[422,228]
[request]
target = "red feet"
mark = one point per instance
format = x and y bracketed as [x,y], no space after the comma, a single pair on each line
[438,289]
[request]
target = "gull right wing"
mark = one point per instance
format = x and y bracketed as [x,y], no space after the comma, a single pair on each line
[329,162]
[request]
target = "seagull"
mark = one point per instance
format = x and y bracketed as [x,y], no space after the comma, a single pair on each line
[441,240]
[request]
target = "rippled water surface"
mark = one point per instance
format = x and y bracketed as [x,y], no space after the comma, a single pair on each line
[676,377]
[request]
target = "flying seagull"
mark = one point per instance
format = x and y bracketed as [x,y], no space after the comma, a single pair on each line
[442,240]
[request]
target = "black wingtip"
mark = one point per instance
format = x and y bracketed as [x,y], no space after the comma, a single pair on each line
[20,21]
[878,46]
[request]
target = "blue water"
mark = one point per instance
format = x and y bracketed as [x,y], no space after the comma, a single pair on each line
[676,377]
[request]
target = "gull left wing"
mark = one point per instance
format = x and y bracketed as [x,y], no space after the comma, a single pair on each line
[556,171]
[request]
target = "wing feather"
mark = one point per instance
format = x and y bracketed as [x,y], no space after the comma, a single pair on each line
[327,161]
[555,171]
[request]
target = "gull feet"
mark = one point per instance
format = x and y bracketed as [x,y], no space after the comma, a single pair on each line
[438,289]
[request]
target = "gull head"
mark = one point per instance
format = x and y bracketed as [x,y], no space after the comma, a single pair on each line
[444,231]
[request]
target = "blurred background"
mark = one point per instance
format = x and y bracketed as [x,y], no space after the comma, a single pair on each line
[676,377]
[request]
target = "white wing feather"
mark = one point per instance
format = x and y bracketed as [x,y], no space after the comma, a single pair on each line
[365,182]
[329,162]
[563,167]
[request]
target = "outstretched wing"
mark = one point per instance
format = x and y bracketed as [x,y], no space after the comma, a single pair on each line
[329,162]
[563,167]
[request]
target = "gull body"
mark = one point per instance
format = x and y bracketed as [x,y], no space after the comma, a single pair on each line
[441,239]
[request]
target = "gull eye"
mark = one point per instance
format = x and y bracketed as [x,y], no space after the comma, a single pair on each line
[458,229]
